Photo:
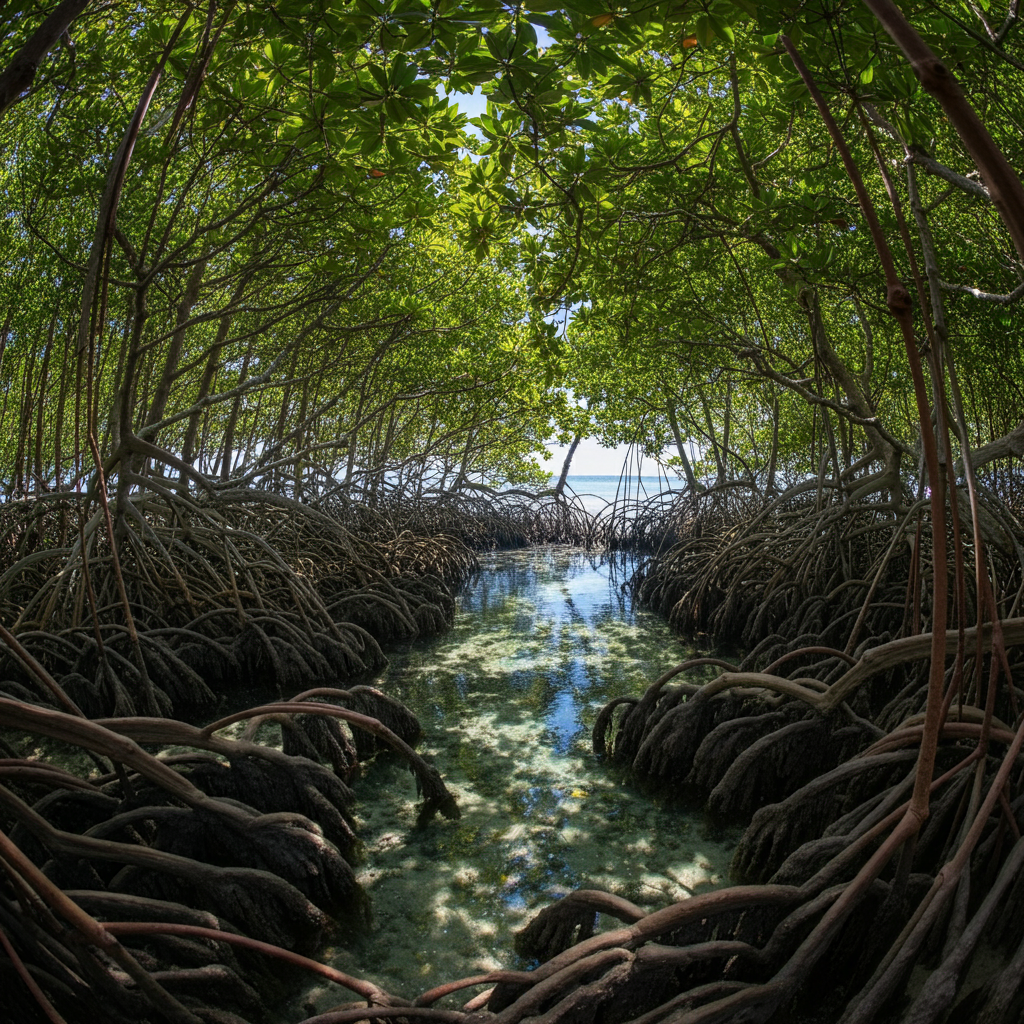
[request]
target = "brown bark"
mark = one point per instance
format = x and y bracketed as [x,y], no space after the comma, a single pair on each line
[206,382]
[58,429]
[1007,446]
[227,456]
[21,72]
[44,373]
[163,388]
[20,474]
[691,480]
[564,475]
[899,303]
[1003,184]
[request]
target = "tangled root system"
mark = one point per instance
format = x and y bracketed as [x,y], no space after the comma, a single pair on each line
[227,836]
[814,738]
[155,888]
[221,850]
[231,588]
[847,573]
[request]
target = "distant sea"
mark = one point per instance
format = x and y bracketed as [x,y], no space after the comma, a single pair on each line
[596,491]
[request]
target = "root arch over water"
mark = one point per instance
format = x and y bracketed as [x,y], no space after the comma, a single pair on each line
[222,851]
[219,833]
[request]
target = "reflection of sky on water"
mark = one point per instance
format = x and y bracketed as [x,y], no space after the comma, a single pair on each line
[507,700]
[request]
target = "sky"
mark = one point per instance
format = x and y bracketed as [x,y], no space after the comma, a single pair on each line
[591,459]
[472,104]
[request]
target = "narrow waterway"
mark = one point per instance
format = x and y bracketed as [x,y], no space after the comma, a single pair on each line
[542,639]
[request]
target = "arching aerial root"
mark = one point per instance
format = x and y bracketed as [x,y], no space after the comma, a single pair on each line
[817,734]
[220,832]
[483,519]
[874,894]
[851,893]
[821,738]
[658,522]
[238,587]
[222,835]
[809,565]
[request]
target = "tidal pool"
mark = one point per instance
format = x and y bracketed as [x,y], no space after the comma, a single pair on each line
[542,639]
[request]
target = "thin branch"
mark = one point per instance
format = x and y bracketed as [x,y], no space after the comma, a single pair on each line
[999,300]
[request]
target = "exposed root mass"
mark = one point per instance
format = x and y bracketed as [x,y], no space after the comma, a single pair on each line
[219,832]
[233,836]
[233,588]
[816,738]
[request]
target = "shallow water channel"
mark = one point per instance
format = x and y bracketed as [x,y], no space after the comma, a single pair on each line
[542,639]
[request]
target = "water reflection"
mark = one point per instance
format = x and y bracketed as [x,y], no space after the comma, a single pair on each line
[507,700]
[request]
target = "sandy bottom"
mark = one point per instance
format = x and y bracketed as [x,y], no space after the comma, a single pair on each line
[507,701]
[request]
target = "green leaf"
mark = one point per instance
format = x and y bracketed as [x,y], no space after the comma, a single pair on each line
[722,28]
[370,144]
[418,37]
[795,92]
[747,6]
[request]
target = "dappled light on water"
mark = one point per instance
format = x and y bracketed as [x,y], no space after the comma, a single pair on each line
[507,699]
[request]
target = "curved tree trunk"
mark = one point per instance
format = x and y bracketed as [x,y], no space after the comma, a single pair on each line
[560,486]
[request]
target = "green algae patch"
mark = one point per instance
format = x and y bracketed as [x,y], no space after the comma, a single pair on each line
[542,640]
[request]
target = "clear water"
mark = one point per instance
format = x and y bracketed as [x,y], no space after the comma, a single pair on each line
[507,699]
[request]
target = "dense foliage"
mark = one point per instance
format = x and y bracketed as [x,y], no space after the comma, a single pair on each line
[276,317]
[265,241]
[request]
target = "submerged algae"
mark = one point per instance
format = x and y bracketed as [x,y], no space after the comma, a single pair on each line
[543,638]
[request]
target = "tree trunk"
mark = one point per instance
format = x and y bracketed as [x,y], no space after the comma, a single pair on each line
[300,440]
[44,374]
[17,78]
[58,430]
[173,356]
[227,458]
[20,483]
[773,458]
[719,462]
[188,453]
[560,486]
[691,480]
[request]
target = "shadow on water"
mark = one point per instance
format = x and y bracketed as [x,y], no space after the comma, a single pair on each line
[507,699]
